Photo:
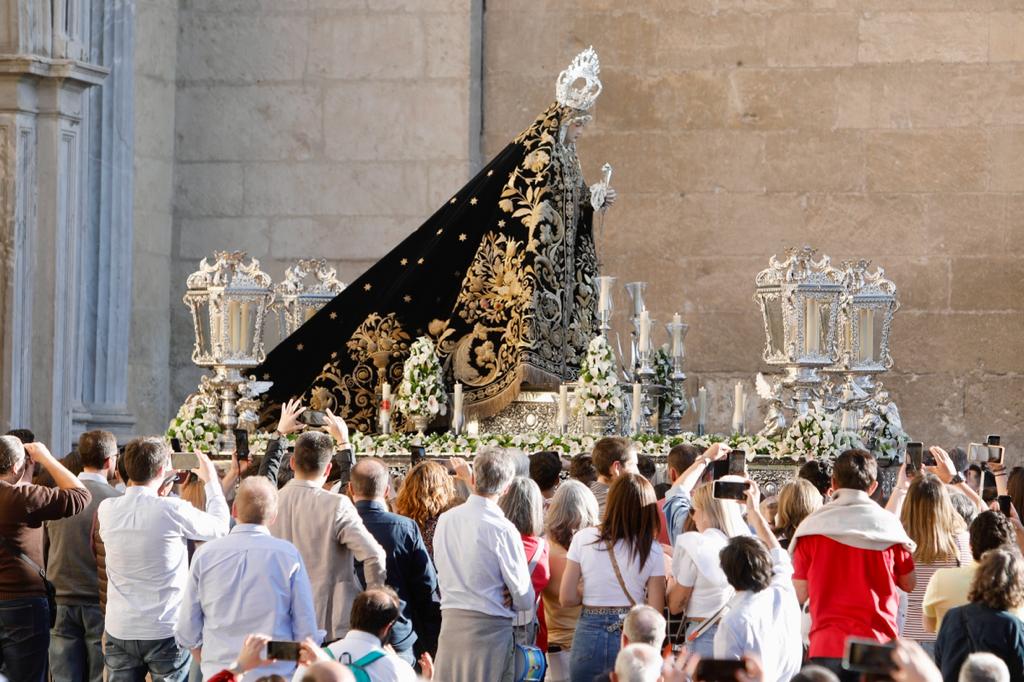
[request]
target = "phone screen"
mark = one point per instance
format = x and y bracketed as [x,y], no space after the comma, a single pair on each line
[928,459]
[242,443]
[731,490]
[283,651]
[719,468]
[417,453]
[867,656]
[175,445]
[995,454]
[738,462]
[184,461]
[914,455]
[993,440]
[718,670]
[1005,501]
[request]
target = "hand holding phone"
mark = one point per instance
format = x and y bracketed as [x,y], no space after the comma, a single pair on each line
[914,458]
[242,444]
[283,651]
[738,463]
[184,461]
[719,670]
[869,656]
[730,490]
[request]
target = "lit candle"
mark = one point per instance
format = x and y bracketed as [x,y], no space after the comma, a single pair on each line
[737,410]
[645,331]
[385,408]
[635,416]
[677,336]
[702,408]
[563,406]
[457,407]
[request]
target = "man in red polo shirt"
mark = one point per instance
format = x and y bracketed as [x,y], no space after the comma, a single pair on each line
[849,559]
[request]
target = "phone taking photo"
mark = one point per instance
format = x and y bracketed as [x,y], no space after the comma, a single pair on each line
[730,490]
[1005,505]
[914,458]
[242,444]
[718,670]
[719,468]
[738,463]
[184,461]
[283,651]
[868,656]
[417,453]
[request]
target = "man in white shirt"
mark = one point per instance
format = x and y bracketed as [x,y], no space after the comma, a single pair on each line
[145,538]
[246,582]
[374,613]
[483,577]
[764,616]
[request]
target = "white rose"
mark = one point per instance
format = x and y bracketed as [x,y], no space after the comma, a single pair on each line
[590,406]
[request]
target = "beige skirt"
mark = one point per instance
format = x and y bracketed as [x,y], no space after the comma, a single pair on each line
[474,647]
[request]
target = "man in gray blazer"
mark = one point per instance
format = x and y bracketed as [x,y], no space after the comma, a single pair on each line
[325,527]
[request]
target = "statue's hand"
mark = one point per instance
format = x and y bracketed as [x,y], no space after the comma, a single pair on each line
[609,198]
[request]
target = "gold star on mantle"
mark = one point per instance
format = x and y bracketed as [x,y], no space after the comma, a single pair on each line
[334,316]
[404,261]
[299,347]
[463,237]
[501,223]
[367,286]
[490,173]
[472,202]
[266,376]
[440,231]
[452,201]
[419,262]
[407,298]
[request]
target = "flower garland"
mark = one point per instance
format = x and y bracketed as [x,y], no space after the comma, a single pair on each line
[883,433]
[421,392]
[195,427]
[598,391]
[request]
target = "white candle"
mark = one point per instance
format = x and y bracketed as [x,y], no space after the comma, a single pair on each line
[457,407]
[645,331]
[385,408]
[604,284]
[246,326]
[811,326]
[702,406]
[738,394]
[233,318]
[635,417]
[563,406]
[867,335]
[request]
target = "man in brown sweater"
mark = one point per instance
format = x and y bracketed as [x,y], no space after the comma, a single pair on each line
[24,612]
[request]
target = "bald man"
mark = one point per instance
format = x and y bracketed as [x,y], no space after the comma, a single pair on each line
[410,571]
[246,582]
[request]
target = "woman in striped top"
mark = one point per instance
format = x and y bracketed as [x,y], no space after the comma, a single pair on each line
[933,524]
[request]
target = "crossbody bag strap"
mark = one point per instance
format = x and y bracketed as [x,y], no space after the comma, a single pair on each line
[11,549]
[708,622]
[618,573]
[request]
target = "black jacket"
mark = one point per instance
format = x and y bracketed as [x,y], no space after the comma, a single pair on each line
[973,628]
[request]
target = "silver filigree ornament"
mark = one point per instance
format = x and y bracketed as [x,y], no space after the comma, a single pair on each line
[308,286]
[579,85]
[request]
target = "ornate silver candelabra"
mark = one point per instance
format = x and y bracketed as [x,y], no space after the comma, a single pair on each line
[228,300]
[307,287]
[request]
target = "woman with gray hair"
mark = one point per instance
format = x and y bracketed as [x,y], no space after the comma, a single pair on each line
[572,508]
[523,505]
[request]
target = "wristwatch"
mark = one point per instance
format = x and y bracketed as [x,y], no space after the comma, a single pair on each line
[956,480]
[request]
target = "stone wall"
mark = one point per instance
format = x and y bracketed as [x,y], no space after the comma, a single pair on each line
[885,129]
[315,128]
[156,25]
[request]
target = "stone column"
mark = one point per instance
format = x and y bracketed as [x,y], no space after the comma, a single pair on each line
[101,380]
[41,172]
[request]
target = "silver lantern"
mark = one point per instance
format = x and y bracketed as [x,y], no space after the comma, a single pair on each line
[229,300]
[308,286]
[865,325]
[800,299]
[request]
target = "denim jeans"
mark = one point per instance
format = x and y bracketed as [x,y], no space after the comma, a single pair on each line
[76,649]
[24,637]
[130,660]
[595,645]
[703,646]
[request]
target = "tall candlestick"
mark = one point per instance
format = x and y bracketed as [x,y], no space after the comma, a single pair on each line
[702,410]
[563,407]
[385,408]
[645,332]
[637,401]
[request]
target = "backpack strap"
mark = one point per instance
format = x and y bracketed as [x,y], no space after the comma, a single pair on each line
[368,659]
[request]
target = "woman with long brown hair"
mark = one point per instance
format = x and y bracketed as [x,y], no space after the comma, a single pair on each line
[798,499]
[942,541]
[425,494]
[611,568]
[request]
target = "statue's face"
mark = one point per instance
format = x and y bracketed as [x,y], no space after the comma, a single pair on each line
[573,131]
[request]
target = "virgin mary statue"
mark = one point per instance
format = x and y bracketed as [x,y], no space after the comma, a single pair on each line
[501,277]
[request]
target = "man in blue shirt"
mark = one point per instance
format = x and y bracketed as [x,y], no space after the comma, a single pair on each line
[410,571]
[246,582]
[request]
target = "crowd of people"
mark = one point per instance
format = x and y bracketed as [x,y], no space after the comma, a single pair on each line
[310,564]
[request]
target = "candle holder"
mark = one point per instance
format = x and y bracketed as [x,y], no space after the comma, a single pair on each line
[606,284]
[675,417]
[636,295]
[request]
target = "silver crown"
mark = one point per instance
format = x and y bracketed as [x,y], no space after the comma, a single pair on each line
[570,92]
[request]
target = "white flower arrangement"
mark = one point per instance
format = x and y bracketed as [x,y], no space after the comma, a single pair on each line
[421,392]
[195,426]
[598,391]
[812,436]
